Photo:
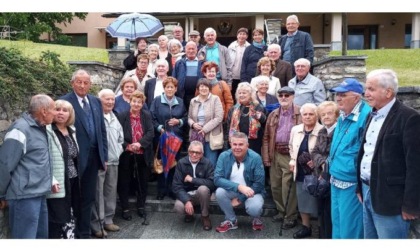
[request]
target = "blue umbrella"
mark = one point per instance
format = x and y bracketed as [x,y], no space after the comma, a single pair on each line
[134,25]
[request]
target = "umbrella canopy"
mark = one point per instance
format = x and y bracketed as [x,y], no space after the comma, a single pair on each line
[134,25]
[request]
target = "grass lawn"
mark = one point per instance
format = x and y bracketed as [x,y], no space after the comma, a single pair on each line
[405,62]
[67,53]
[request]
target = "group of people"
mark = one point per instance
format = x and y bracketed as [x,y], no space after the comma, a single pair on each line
[248,116]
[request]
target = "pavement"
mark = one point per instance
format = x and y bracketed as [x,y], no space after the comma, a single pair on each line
[164,223]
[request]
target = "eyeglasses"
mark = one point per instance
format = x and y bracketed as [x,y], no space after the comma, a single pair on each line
[195,152]
[284,95]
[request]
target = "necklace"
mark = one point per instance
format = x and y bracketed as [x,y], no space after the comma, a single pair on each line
[243,109]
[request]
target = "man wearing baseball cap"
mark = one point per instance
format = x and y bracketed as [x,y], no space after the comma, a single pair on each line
[195,36]
[346,211]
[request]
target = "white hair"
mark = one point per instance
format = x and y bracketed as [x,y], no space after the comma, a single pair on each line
[293,17]
[210,30]
[386,78]
[105,91]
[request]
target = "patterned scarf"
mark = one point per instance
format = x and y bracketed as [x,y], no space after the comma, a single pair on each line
[254,124]
[136,130]
[140,74]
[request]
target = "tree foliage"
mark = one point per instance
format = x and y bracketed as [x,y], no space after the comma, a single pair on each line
[21,77]
[31,25]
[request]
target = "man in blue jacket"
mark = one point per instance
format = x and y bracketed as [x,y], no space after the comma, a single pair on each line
[25,170]
[240,177]
[296,44]
[93,144]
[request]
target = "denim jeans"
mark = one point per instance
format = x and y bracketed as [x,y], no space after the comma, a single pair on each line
[378,226]
[253,206]
[28,218]
[210,154]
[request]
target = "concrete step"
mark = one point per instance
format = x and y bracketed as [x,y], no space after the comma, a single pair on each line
[167,204]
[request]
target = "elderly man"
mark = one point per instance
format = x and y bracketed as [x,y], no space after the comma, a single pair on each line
[388,171]
[187,71]
[296,44]
[283,69]
[219,54]
[275,154]
[93,145]
[106,190]
[25,170]
[239,176]
[346,210]
[308,88]
[195,37]
[236,51]
[178,33]
[193,184]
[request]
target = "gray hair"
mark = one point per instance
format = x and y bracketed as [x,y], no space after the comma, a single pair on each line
[210,30]
[162,62]
[239,135]
[294,17]
[196,143]
[176,42]
[153,45]
[386,78]
[309,106]
[246,86]
[105,91]
[78,72]
[38,102]
[261,79]
[274,46]
[302,61]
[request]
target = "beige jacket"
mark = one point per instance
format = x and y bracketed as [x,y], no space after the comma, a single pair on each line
[296,136]
[213,111]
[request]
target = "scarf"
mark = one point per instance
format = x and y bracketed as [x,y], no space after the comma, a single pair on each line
[136,130]
[254,124]
[140,74]
[258,45]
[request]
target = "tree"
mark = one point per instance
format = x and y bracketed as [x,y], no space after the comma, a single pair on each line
[31,25]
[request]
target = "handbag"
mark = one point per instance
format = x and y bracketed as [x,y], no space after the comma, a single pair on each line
[157,163]
[195,136]
[310,184]
[216,141]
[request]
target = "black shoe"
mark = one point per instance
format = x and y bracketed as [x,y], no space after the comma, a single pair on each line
[160,196]
[141,212]
[303,233]
[289,224]
[126,215]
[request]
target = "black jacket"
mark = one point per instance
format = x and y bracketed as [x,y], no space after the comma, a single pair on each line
[395,169]
[204,173]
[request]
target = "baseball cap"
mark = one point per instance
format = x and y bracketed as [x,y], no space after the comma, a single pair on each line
[347,85]
[242,30]
[194,33]
[287,90]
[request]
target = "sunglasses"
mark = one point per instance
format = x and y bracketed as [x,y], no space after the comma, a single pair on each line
[284,95]
[194,152]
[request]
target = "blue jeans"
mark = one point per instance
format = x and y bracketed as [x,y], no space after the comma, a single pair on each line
[253,206]
[378,226]
[28,218]
[210,154]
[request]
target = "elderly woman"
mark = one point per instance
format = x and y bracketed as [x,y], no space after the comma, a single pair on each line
[122,102]
[205,117]
[328,112]
[139,74]
[302,142]
[137,157]
[64,201]
[168,114]
[152,52]
[164,51]
[247,116]
[265,99]
[131,61]
[219,88]
[175,48]
[154,86]
[265,67]
[252,55]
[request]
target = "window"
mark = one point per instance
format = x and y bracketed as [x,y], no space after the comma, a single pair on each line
[79,39]
[362,37]
[407,36]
